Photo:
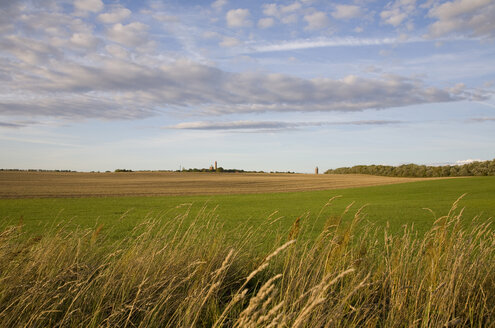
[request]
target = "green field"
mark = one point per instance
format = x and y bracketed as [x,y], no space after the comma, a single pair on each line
[397,204]
[137,262]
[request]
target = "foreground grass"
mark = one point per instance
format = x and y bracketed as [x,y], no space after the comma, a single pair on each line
[394,205]
[183,271]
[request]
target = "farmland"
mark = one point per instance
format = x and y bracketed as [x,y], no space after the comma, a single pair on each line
[241,256]
[397,204]
[18,184]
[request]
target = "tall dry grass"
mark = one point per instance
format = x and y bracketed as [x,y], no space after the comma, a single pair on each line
[167,273]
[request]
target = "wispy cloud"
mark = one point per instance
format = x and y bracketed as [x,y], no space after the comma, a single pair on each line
[117,88]
[39,141]
[486,104]
[328,42]
[45,75]
[482,119]
[270,125]
[10,125]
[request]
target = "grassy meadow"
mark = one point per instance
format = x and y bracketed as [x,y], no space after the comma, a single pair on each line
[369,257]
[397,204]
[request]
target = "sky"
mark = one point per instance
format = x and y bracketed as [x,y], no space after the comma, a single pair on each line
[94,85]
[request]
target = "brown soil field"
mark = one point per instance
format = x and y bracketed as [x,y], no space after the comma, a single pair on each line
[20,184]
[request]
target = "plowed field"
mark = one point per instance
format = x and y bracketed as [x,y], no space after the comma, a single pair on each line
[15,184]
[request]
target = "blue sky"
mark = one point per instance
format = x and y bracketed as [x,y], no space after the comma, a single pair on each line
[259,85]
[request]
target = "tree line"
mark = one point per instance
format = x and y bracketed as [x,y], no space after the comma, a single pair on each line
[413,170]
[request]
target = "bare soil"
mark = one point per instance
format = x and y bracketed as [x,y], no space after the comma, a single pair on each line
[21,184]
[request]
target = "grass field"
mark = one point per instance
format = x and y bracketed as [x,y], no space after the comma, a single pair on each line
[397,204]
[253,260]
[187,269]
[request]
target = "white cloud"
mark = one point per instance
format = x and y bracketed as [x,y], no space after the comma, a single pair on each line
[119,88]
[29,51]
[458,88]
[75,107]
[52,24]
[398,12]
[290,19]
[84,6]
[117,51]
[467,17]
[235,125]
[164,18]
[219,4]
[393,17]
[238,18]
[346,11]
[275,10]
[266,22]
[271,9]
[269,125]
[287,14]
[316,20]
[229,42]
[116,15]
[210,35]
[43,73]
[327,42]
[132,34]
[290,8]
[86,41]
[372,69]
[9,11]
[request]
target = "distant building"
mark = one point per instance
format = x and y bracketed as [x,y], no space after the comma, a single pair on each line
[316,170]
[215,165]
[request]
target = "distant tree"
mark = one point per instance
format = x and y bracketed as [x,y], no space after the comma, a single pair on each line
[413,170]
